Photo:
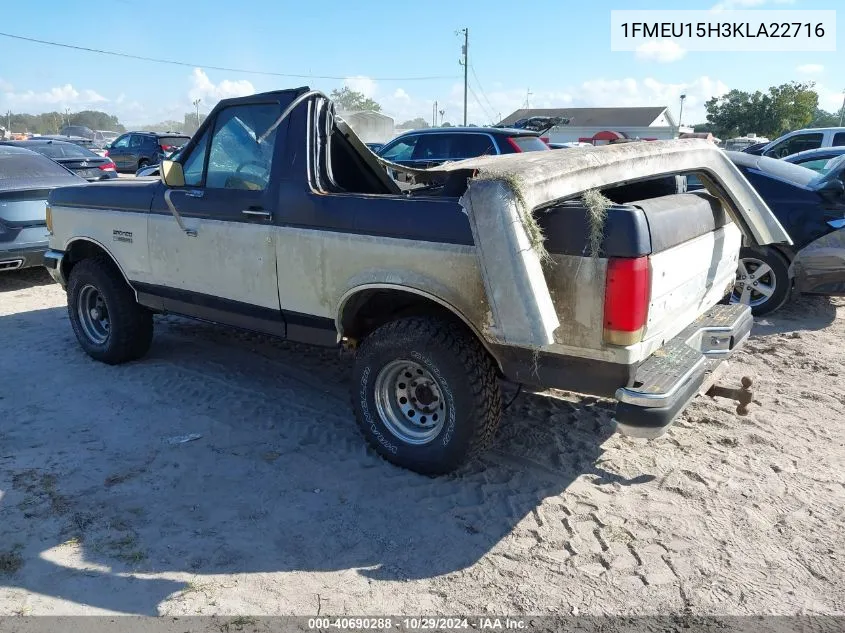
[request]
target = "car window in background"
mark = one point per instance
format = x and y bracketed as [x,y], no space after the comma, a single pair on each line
[816,164]
[136,141]
[529,143]
[795,144]
[122,142]
[26,170]
[833,165]
[838,139]
[172,142]
[434,147]
[470,146]
[77,130]
[51,151]
[196,161]
[64,151]
[403,150]
[694,182]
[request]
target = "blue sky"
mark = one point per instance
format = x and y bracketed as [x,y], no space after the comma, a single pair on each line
[560,50]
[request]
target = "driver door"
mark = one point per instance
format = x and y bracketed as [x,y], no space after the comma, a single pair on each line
[223,266]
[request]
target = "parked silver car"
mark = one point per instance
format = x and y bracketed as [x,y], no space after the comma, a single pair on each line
[26,178]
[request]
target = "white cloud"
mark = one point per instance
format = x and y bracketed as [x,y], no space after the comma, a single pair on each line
[365,85]
[663,51]
[59,97]
[810,69]
[401,95]
[210,93]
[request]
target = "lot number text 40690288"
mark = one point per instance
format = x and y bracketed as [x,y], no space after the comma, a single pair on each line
[416,624]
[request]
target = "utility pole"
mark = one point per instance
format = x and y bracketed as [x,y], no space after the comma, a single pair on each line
[434,114]
[528,94]
[67,112]
[196,103]
[442,114]
[9,115]
[465,64]
[681,114]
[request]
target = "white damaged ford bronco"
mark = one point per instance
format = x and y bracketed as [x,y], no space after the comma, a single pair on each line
[579,269]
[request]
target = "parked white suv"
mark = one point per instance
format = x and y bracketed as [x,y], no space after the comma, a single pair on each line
[802,140]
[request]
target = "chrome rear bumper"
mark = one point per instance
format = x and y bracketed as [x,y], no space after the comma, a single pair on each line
[671,377]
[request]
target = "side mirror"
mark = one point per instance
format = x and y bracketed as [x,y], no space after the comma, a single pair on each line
[172,174]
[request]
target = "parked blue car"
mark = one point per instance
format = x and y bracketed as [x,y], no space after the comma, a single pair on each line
[816,159]
[811,207]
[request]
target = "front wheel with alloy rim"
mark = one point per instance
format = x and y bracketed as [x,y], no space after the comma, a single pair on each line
[762,280]
[109,325]
[425,394]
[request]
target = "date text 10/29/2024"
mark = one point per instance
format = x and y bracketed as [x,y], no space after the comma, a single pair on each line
[416,624]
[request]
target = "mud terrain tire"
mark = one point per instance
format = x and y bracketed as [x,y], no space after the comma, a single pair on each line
[120,330]
[439,368]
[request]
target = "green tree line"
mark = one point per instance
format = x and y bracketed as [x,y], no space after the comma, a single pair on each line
[780,109]
[52,122]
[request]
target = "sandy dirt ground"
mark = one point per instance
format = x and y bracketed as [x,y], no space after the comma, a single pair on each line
[278,507]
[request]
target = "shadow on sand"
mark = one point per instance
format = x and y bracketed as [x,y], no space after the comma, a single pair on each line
[98,486]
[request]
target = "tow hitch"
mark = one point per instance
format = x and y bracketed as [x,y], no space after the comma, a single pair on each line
[743,395]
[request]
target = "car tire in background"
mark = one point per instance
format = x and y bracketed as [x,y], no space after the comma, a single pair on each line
[142,163]
[425,394]
[762,280]
[109,324]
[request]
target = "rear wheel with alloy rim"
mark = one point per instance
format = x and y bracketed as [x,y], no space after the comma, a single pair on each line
[762,280]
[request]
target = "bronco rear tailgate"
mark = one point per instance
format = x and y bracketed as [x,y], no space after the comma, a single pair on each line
[503,189]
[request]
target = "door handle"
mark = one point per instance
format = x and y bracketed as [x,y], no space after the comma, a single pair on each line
[195,193]
[256,213]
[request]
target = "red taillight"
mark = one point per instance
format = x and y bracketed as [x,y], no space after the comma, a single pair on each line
[166,148]
[626,297]
[545,139]
[514,145]
[108,167]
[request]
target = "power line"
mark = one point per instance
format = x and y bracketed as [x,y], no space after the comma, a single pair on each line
[481,88]
[480,105]
[221,68]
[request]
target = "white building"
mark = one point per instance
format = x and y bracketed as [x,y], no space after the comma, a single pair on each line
[371,127]
[604,124]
